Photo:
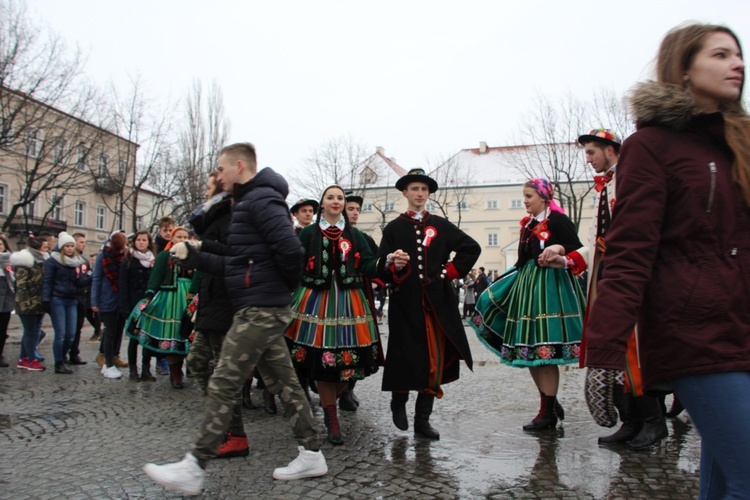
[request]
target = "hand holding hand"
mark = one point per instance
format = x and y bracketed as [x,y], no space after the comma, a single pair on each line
[551,254]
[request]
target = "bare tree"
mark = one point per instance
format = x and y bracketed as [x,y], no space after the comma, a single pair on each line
[198,145]
[337,161]
[455,181]
[610,110]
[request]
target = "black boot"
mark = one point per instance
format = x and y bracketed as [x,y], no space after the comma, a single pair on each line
[352,383]
[134,374]
[631,420]
[546,418]
[146,375]
[676,408]
[422,412]
[346,402]
[331,420]
[269,402]
[559,410]
[398,408]
[247,399]
[75,359]
[654,427]
[61,368]
[175,375]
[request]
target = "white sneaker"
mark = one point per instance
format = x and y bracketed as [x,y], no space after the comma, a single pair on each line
[185,476]
[307,464]
[111,372]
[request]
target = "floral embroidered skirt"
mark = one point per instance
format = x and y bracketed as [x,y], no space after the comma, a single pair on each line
[532,316]
[333,334]
[164,324]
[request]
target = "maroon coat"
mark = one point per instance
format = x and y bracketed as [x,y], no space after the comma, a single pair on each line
[678,251]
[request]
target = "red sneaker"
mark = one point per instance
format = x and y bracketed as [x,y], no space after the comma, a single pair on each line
[35,366]
[23,363]
[233,446]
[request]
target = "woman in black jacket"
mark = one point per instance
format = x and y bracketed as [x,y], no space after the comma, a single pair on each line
[134,275]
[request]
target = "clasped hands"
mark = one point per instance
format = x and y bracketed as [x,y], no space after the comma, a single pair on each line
[552,256]
[399,259]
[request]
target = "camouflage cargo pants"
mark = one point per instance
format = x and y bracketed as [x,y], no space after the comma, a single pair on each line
[255,339]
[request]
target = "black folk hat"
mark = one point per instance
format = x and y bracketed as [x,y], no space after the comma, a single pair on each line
[301,203]
[351,196]
[416,175]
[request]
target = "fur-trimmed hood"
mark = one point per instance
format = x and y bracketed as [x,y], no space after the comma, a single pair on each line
[668,105]
[22,258]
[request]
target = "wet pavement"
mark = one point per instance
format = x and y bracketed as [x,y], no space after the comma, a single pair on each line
[82,436]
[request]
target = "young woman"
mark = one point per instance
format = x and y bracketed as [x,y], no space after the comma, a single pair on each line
[134,276]
[62,278]
[533,316]
[161,324]
[7,294]
[105,300]
[677,261]
[333,333]
[29,268]
[469,299]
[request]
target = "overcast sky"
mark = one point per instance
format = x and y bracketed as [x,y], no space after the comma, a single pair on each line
[422,79]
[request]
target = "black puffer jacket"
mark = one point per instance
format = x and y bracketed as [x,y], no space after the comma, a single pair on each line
[214,306]
[265,257]
[133,283]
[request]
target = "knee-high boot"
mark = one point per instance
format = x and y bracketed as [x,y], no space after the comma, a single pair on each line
[654,427]
[398,409]
[546,418]
[422,412]
[631,420]
[331,419]
[175,373]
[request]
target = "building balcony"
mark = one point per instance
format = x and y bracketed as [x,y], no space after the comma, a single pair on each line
[24,225]
[106,185]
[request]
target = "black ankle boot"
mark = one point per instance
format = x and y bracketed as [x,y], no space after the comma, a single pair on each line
[654,427]
[398,409]
[559,410]
[134,374]
[546,418]
[76,360]
[331,419]
[146,375]
[346,402]
[422,412]
[269,402]
[676,409]
[247,399]
[631,420]
[61,368]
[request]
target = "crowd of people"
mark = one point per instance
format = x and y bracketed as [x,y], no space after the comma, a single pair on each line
[663,306]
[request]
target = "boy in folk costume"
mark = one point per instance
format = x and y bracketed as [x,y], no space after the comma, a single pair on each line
[427,337]
[643,422]
[304,211]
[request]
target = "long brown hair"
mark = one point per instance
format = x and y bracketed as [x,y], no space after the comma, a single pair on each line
[129,255]
[676,55]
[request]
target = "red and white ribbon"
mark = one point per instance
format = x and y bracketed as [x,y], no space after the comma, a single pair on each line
[344,245]
[429,234]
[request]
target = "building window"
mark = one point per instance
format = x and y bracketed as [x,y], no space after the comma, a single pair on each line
[79,213]
[430,206]
[57,205]
[3,195]
[122,167]
[103,160]
[100,217]
[81,153]
[367,207]
[139,222]
[33,145]
[390,206]
[516,203]
[491,205]
[462,205]
[58,152]
[492,240]
[31,207]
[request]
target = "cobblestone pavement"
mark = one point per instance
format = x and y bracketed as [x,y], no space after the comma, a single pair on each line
[82,436]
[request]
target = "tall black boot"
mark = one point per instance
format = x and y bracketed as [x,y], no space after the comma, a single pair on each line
[631,420]
[422,412]
[676,409]
[654,427]
[398,409]
[546,418]
[352,383]
[346,401]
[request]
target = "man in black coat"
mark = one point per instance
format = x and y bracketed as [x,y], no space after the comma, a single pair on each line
[426,335]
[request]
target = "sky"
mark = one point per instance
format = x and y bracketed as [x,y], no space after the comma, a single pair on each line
[422,79]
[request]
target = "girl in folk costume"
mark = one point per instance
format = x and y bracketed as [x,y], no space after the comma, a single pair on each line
[7,294]
[134,274]
[532,316]
[333,332]
[63,275]
[105,300]
[163,320]
[29,268]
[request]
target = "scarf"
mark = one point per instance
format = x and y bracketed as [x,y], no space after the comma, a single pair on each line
[74,261]
[111,261]
[4,262]
[39,257]
[145,258]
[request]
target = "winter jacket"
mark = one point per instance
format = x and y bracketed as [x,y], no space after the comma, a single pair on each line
[63,280]
[133,283]
[215,308]
[265,257]
[677,261]
[103,294]
[29,277]
[84,292]
[7,284]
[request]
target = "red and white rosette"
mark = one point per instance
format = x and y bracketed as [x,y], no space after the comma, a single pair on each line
[429,234]
[345,246]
